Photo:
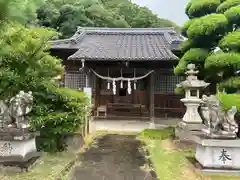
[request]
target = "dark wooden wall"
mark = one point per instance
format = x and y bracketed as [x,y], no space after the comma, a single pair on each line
[166,104]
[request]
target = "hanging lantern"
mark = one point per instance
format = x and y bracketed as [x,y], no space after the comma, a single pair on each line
[121,84]
[129,87]
[135,85]
[83,63]
[135,82]
[114,87]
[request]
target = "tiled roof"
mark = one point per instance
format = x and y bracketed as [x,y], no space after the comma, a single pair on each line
[122,44]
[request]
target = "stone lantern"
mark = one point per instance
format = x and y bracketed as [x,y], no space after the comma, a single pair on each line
[192,86]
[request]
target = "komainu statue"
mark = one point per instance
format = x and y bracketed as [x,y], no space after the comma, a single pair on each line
[219,123]
[13,113]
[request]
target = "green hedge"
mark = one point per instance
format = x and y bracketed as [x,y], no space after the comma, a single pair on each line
[194,55]
[186,45]
[221,61]
[211,25]
[200,8]
[179,91]
[57,112]
[187,8]
[180,69]
[233,15]
[229,100]
[231,41]
[186,26]
[232,84]
[227,5]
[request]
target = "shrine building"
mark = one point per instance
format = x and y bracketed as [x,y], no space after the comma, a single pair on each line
[129,70]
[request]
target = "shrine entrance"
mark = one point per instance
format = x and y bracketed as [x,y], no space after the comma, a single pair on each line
[122,94]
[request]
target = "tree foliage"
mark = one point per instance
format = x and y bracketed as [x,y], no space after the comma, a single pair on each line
[213,42]
[26,64]
[23,11]
[65,16]
[227,4]
[24,60]
[231,42]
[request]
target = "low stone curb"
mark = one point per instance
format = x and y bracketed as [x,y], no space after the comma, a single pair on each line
[67,168]
[72,162]
[148,161]
[17,169]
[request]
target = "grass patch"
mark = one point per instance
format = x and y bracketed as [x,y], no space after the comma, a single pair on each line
[169,161]
[99,133]
[158,134]
[50,167]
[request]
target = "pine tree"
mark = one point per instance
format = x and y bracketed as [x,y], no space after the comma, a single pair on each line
[213,43]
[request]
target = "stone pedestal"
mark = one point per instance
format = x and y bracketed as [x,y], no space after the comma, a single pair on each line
[17,147]
[192,116]
[192,119]
[218,154]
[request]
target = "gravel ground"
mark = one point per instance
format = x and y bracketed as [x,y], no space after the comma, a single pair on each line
[113,157]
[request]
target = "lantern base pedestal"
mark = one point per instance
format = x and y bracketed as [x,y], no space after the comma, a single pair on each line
[217,153]
[192,116]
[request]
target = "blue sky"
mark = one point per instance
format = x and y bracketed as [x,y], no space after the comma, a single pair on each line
[173,10]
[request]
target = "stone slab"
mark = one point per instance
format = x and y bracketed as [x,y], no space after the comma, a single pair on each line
[186,133]
[17,150]
[191,126]
[217,153]
[19,166]
[221,172]
[17,134]
[199,168]
[200,139]
[118,126]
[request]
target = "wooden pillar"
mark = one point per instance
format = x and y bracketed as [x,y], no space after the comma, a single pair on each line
[151,99]
[88,78]
[97,92]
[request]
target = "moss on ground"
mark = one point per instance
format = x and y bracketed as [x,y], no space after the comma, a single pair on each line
[50,167]
[158,134]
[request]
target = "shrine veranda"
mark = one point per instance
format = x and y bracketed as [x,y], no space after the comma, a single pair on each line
[129,71]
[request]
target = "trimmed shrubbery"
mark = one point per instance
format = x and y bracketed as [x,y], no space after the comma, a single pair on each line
[194,55]
[229,100]
[233,15]
[56,113]
[203,7]
[227,4]
[223,61]
[213,45]
[213,24]
[231,41]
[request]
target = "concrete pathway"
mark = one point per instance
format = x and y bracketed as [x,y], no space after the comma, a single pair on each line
[113,157]
[128,125]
